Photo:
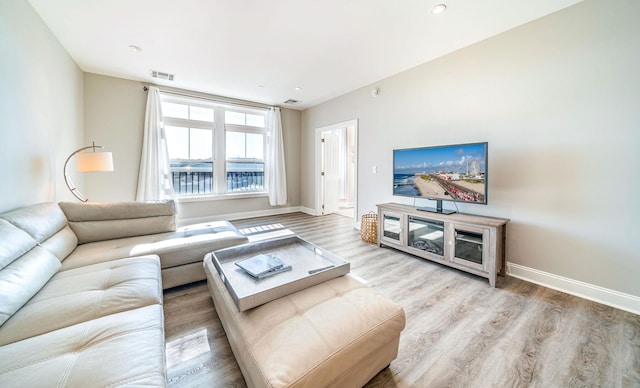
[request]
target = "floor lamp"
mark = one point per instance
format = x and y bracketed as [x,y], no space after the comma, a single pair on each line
[88,162]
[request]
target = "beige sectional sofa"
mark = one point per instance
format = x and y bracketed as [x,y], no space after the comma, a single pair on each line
[108,231]
[81,290]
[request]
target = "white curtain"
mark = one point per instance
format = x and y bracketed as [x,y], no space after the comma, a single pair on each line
[275,175]
[154,179]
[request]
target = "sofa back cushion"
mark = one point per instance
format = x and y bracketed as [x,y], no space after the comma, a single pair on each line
[47,225]
[93,221]
[41,221]
[14,242]
[25,267]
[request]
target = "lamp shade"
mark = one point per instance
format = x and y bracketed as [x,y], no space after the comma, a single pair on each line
[95,161]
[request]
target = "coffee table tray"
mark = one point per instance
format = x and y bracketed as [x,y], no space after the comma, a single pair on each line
[304,258]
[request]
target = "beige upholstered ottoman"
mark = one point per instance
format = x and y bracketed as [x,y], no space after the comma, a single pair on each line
[339,333]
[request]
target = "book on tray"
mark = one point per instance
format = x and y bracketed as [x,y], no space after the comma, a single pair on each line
[262,266]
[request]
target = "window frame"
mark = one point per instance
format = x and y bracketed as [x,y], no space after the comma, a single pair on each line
[219,129]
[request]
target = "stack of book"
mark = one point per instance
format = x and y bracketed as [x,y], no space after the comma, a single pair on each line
[263,265]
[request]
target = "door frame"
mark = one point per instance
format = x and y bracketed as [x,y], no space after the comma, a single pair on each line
[318,165]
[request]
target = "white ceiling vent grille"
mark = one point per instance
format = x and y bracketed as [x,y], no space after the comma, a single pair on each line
[161,75]
[292,101]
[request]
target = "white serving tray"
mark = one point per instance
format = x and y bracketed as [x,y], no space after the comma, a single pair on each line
[304,258]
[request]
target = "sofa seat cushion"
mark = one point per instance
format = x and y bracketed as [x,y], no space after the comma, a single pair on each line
[86,293]
[123,349]
[186,245]
[317,337]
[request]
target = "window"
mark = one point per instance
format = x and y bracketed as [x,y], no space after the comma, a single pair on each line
[244,151]
[214,149]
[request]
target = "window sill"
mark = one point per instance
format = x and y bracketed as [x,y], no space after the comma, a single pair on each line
[221,197]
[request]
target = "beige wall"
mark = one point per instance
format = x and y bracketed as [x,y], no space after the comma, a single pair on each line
[557,100]
[114,117]
[41,109]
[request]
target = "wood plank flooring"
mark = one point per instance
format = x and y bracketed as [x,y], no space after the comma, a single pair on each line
[460,332]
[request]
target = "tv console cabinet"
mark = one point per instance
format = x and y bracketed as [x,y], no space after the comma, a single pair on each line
[475,244]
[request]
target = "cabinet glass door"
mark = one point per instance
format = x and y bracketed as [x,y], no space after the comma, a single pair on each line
[391,227]
[470,246]
[426,235]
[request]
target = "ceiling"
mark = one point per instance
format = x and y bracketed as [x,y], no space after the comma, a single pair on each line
[262,51]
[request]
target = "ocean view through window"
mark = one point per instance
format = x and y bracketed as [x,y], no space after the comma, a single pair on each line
[214,149]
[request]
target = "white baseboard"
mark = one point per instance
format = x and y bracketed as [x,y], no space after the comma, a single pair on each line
[309,211]
[620,300]
[239,216]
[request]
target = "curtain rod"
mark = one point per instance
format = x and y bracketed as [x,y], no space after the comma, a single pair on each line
[202,95]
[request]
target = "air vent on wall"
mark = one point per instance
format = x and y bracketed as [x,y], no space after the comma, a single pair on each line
[291,101]
[161,75]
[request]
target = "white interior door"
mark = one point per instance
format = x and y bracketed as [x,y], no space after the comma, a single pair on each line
[330,173]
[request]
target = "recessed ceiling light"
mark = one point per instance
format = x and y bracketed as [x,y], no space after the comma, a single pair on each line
[438,9]
[297,88]
[135,49]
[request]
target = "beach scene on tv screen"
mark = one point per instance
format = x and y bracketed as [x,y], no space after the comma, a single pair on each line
[457,171]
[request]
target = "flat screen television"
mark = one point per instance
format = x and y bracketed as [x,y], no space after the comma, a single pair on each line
[442,173]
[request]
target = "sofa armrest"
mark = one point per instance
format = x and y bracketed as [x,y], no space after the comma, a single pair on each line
[93,221]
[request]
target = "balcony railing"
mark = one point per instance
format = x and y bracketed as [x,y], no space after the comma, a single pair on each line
[201,182]
[192,182]
[245,181]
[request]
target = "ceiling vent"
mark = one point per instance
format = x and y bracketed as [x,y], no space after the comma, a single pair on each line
[161,75]
[291,101]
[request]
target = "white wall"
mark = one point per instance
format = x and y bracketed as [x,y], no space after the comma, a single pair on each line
[114,116]
[558,101]
[41,109]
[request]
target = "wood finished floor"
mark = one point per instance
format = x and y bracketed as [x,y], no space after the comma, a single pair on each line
[459,333]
